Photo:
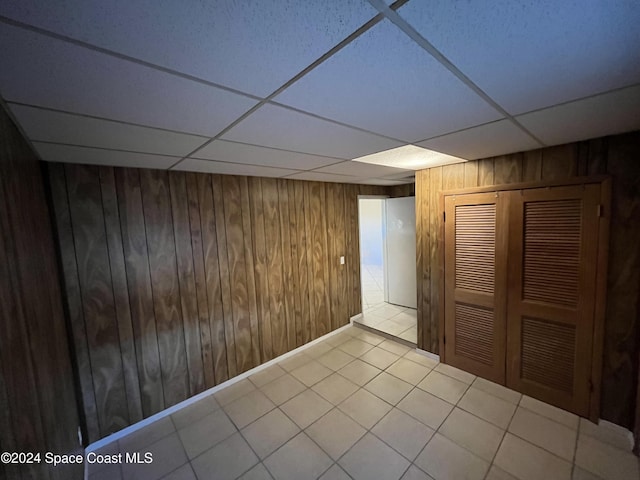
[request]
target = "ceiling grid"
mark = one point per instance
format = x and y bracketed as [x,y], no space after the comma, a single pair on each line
[302,89]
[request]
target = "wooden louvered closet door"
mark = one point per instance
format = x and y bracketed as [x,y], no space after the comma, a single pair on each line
[475,273]
[553,245]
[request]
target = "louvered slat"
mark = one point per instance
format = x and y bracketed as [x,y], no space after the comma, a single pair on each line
[475,247]
[548,352]
[552,236]
[474,333]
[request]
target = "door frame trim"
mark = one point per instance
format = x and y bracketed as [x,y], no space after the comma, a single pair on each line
[597,352]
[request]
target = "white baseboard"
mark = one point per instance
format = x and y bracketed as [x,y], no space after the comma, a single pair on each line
[356,317]
[168,411]
[430,355]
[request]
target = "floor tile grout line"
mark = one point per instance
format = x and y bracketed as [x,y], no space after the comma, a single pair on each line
[504,435]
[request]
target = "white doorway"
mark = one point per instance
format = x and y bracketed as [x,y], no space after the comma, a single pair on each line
[388,265]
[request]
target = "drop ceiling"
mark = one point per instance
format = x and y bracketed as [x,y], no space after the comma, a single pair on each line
[299,89]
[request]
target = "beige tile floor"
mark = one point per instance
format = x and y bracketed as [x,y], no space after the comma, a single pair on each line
[360,406]
[379,315]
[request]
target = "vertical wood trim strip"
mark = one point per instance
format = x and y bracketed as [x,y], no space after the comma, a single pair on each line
[72,297]
[200,279]
[139,285]
[237,272]
[250,273]
[294,233]
[287,274]
[186,280]
[96,293]
[164,285]
[313,314]
[274,258]
[225,280]
[261,268]
[209,231]
[435,222]
[420,310]
[340,245]
[120,292]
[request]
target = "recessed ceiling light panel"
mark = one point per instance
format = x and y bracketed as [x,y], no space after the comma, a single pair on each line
[409,157]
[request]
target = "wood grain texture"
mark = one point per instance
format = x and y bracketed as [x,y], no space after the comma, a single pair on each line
[617,156]
[485,172]
[94,275]
[287,268]
[213,280]
[470,174]
[62,216]
[200,280]
[532,166]
[164,284]
[252,305]
[274,266]
[36,380]
[188,279]
[261,268]
[560,162]
[435,232]
[508,168]
[225,279]
[136,258]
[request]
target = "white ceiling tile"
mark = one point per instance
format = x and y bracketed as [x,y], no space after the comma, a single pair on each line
[606,114]
[253,45]
[278,127]
[530,55]
[210,166]
[385,83]
[57,127]
[254,155]
[497,138]
[324,177]
[41,71]
[95,156]
[363,170]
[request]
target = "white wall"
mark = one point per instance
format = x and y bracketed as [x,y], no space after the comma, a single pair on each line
[371,230]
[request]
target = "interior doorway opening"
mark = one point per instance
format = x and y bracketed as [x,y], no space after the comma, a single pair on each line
[387,230]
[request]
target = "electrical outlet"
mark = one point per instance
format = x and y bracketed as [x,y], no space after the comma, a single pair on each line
[342,260]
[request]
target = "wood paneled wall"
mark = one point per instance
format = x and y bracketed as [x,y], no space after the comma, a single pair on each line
[618,156]
[38,408]
[179,281]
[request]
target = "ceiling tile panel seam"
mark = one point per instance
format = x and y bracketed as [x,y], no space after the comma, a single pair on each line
[74,145]
[576,100]
[335,49]
[326,119]
[463,130]
[338,160]
[121,56]
[105,119]
[536,110]
[159,129]
[341,160]
[368,25]
[413,34]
